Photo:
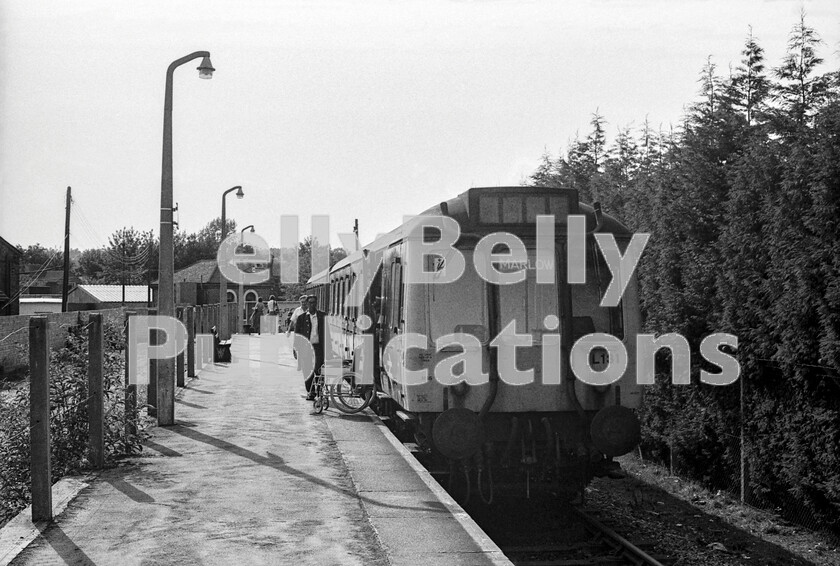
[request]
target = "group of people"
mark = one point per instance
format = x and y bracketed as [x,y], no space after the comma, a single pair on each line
[305,320]
[261,309]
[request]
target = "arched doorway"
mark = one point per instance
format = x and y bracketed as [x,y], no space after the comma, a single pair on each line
[250,301]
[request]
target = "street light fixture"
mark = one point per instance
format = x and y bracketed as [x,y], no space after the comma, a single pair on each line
[223,331]
[166,262]
[241,232]
[205,70]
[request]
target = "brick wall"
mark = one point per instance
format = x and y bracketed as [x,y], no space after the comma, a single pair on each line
[14,334]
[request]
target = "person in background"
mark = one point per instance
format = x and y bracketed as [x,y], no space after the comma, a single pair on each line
[272,312]
[256,315]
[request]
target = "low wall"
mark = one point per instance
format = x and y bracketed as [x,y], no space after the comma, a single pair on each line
[14,334]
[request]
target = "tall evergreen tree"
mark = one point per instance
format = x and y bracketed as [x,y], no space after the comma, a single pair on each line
[800,92]
[749,86]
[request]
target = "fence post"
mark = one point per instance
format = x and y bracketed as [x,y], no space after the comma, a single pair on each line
[179,364]
[130,388]
[96,360]
[39,418]
[190,341]
[151,388]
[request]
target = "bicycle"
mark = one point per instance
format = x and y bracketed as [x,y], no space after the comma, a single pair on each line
[347,395]
[318,390]
[350,396]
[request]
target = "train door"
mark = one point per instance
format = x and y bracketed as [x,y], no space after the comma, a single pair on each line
[390,323]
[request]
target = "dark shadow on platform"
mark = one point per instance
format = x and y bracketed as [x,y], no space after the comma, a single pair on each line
[129,490]
[276,462]
[201,391]
[188,404]
[65,547]
[162,449]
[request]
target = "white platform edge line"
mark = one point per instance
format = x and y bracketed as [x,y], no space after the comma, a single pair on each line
[484,542]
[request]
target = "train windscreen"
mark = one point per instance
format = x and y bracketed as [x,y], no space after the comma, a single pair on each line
[588,315]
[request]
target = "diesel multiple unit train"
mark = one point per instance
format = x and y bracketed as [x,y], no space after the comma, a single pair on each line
[462,320]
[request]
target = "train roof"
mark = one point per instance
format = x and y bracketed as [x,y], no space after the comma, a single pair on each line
[468,207]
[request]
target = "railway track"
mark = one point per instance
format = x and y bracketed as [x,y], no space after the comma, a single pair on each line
[601,545]
[541,533]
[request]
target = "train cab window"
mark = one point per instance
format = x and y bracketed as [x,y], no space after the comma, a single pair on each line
[586,298]
[527,302]
[459,307]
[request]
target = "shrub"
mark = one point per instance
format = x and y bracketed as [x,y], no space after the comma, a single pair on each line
[68,418]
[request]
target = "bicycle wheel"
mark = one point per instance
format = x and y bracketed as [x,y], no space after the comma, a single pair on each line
[318,403]
[348,396]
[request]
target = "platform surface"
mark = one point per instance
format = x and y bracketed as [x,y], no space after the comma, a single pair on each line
[249,475]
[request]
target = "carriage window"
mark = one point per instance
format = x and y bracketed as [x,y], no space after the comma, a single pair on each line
[354,310]
[342,298]
[396,285]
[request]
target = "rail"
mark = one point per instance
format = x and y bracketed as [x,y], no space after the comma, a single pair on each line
[621,545]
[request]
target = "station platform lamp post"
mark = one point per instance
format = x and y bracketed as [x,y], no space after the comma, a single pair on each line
[166,263]
[242,314]
[223,318]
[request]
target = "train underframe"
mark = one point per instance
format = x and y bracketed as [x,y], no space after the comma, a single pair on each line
[535,454]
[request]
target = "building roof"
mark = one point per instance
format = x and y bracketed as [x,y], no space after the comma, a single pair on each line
[199,272]
[3,242]
[113,293]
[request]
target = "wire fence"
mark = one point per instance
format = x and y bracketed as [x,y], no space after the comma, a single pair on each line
[730,466]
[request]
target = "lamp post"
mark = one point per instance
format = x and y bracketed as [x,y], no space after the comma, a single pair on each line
[166,262]
[242,314]
[223,333]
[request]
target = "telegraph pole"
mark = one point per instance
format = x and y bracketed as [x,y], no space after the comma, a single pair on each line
[65,289]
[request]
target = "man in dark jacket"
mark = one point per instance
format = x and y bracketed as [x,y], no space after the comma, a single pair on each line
[311,326]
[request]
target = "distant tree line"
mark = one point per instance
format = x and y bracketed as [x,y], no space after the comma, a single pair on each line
[743,203]
[131,257]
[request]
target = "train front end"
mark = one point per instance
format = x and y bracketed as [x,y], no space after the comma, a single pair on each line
[484,365]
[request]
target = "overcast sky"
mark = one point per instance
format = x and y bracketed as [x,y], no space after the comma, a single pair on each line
[368,110]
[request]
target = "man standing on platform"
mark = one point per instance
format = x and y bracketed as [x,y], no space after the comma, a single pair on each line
[311,326]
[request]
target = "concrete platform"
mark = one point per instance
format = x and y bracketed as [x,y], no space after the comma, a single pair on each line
[249,475]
